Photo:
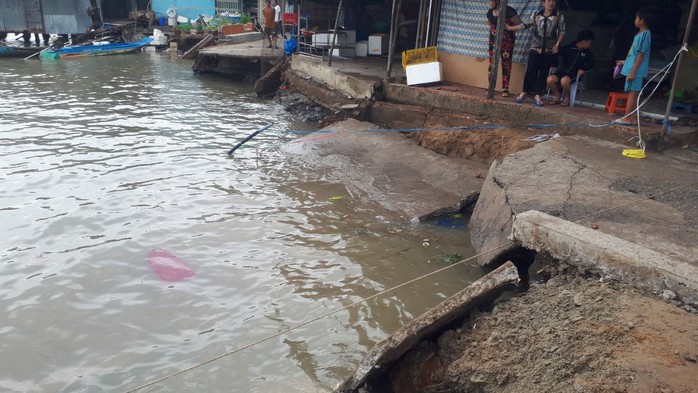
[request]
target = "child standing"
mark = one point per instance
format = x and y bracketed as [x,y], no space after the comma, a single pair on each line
[576,60]
[636,64]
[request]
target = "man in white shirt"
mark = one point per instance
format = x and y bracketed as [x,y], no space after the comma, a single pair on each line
[277,19]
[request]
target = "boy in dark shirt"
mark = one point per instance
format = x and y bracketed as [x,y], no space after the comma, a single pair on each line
[576,60]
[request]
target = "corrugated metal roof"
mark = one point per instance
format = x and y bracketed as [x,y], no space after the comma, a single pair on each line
[48,16]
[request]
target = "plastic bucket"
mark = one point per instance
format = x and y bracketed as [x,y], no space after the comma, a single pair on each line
[162,21]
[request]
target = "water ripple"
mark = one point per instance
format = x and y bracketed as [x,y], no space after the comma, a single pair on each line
[107,158]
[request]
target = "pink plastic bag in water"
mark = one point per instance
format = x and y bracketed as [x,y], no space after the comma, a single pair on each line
[168,266]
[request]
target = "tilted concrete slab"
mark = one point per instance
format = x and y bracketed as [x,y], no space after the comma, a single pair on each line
[388,351]
[652,202]
[605,255]
[372,165]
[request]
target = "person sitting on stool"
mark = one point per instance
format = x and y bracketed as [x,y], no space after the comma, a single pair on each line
[576,60]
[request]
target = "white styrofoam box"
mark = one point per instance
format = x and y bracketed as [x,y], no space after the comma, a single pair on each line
[326,39]
[361,48]
[378,44]
[182,19]
[158,40]
[423,73]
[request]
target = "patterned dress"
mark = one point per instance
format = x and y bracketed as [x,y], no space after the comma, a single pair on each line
[508,42]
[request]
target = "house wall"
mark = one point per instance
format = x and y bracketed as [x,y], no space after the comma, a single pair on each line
[472,71]
[687,81]
[188,8]
[54,16]
[463,47]
[463,43]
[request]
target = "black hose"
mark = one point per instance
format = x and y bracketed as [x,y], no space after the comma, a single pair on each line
[252,135]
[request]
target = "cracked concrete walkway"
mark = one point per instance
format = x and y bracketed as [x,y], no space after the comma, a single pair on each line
[650,202]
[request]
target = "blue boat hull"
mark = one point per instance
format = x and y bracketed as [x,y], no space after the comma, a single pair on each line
[74,52]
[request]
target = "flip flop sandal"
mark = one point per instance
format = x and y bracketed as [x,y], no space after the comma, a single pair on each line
[564,103]
[538,102]
[520,99]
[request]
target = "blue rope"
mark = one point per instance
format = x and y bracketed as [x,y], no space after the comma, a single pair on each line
[468,128]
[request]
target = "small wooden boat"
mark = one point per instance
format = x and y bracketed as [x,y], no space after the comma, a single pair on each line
[18,51]
[74,52]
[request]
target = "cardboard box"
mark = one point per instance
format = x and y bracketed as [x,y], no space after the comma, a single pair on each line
[361,48]
[418,74]
[378,44]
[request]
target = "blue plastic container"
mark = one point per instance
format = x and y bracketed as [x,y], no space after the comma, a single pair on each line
[162,21]
[290,47]
[234,19]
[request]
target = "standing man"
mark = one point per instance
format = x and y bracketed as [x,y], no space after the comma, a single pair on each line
[269,23]
[277,19]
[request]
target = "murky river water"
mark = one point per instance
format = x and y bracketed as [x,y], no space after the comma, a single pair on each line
[105,159]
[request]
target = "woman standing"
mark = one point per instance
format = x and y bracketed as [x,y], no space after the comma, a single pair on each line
[548,32]
[508,40]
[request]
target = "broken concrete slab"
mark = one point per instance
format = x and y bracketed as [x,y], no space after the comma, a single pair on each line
[373,165]
[604,255]
[588,181]
[386,352]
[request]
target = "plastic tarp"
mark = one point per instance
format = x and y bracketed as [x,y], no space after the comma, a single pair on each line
[48,16]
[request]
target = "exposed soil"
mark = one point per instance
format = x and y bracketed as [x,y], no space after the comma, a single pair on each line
[569,334]
[483,146]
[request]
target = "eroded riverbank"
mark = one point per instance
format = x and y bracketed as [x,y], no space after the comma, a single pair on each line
[573,346]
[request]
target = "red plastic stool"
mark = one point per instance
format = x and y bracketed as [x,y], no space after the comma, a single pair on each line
[616,101]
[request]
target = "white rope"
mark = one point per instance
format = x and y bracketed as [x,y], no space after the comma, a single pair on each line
[664,72]
[313,320]
[249,345]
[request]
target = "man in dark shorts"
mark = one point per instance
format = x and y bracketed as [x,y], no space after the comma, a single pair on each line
[269,23]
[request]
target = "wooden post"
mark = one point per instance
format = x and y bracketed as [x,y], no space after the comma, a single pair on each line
[334,34]
[298,29]
[393,37]
[497,48]
[419,41]
[670,103]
